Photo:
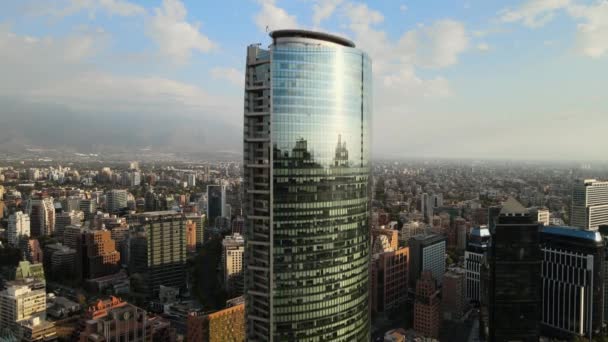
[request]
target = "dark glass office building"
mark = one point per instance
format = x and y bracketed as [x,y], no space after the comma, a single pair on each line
[216,203]
[572,282]
[511,283]
[306,174]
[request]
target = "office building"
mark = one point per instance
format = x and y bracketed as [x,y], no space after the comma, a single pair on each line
[191,236]
[67,218]
[116,200]
[233,248]
[71,203]
[191,180]
[511,278]
[63,261]
[391,234]
[216,203]
[88,207]
[238,225]
[18,228]
[71,235]
[542,215]
[220,326]
[306,173]
[32,250]
[453,302]
[199,221]
[158,250]
[97,254]
[427,306]
[478,244]
[572,282]
[20,303]
[427,253]
[589,204]
[389,285]
[42,217]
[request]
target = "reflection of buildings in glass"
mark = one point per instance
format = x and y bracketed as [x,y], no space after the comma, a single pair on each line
[306,204]
[341,158]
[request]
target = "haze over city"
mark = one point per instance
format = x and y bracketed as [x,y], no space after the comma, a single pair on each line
[474,79]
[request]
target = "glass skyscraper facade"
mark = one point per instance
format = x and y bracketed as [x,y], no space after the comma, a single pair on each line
[306,157]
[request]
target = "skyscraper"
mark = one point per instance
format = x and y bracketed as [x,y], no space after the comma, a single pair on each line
[478,244]
[42,217]
[216,203]
[427,307]
[427,253]
[511,277]
[18,227]
[233,247]
[572,282]
[158,250]
[116,200]
[306,171]
[589,204]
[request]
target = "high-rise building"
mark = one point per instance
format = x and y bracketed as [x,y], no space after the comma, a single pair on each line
[88,207]
[191,236]
[199,221]
[572,282]
[427,253]
[71,203]
[97,254]
[589,204]
[233,248]
[391,234]
[66,218]
[71,235]
[158,250]
[542,215]
[389,279]
[216,203]
[511,278]
[42,217]
[18,228]
[453,303]
[478,244]
[20,303]
[306,173]
[191,179]
[427,306]
[220,326]
[116,200]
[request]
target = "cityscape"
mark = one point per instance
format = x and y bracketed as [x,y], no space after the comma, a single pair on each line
[120,225]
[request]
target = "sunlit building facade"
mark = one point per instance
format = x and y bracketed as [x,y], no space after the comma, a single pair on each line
[306,156]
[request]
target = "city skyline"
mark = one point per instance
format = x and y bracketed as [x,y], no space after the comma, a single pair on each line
[517,81]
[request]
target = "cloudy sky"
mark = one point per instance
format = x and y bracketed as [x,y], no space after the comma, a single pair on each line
[471,78]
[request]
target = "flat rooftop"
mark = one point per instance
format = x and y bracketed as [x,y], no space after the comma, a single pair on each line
[312,35]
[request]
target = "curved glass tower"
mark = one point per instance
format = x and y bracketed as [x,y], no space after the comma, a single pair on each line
[306,170]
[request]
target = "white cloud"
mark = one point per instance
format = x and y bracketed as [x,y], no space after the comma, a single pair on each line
[534,13]
[403,8]
[483,47]
[70,7]
[440,44]
[56,71]
[592,27]
[323,9]
[273,18]
[232,75]
[592,32]
[175,36]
